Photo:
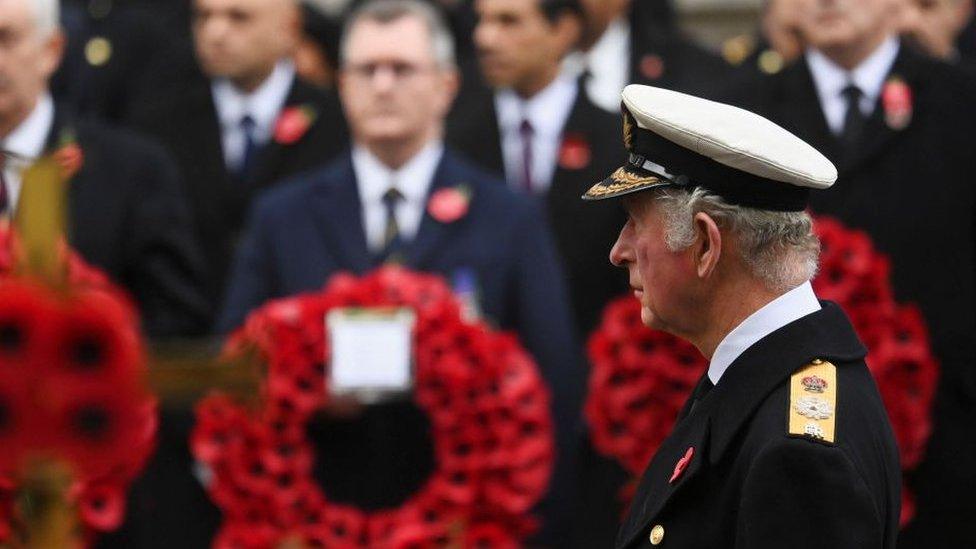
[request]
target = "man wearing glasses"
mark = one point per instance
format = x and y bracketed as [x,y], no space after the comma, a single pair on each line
[373,206]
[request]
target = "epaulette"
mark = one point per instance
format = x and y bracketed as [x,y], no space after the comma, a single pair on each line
[813,401]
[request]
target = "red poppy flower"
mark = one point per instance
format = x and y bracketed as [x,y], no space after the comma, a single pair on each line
[70,157]
[449,204]
[574,152]
[293,123]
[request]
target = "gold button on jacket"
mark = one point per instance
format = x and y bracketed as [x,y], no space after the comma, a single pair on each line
[657,535]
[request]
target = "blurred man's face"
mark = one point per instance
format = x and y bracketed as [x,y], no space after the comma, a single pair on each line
[518,46]
[243,39]
[393,90]
[27,60]
[600,13]
[832,24]
[935,24]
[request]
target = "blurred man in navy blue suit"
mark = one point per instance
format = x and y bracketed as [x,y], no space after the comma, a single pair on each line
[397,82]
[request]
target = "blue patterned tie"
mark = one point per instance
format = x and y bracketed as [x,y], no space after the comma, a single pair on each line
[392,239]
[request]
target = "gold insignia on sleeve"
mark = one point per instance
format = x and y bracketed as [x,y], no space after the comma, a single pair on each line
[813,401]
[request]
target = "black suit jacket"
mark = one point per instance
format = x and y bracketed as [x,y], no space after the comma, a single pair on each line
[748,483]
[661,56]
[128,216]
[911,190]
[584,231]
[186,123]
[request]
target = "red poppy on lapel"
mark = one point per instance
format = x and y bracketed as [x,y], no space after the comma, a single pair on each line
[574,152]
[69,156]
[679,468]
[293,123]
[896,98]
[652,66]
[449,204]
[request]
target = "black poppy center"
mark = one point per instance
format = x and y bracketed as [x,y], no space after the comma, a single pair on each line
[92,422]
[11,337]
[376,460]
[87,353]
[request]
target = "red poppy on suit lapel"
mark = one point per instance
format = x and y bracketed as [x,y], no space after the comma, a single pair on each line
[69,154]
[293,123]
[574,152]
[449,204]
[896,98]
[652,66]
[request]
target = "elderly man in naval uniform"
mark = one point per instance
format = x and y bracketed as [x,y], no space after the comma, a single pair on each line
[785,441]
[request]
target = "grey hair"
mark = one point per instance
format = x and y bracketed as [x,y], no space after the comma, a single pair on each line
[780,248]
[47,15]
[386,11]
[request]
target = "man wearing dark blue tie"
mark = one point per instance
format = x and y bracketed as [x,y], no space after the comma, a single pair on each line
[401,196]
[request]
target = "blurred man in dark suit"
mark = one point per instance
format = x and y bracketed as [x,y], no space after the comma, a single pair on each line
[118,53]
[637,42]
[538,129]
[898,125]
[126,210]
[249,123]
[397,80]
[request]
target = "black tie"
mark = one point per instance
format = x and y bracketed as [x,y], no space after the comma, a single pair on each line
[854,120]
[392,239]
[704,386]
[250,148]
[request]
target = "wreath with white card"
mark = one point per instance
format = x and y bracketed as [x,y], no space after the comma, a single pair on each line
[487,404]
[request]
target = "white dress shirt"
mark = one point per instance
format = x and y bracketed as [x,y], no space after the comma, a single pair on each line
[413,180]
[793,305]
[27,142]
[547,111]
[608,63]
[830,80]
[263,105]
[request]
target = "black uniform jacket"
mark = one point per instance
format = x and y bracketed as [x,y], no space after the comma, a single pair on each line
[584,231]
[186,123]
[128,216]
[911,189]
[748,483]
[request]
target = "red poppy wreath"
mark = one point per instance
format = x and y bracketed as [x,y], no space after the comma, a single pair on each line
[640,378]
[71,394]
[488,408]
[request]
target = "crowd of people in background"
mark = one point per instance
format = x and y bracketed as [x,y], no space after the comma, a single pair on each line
[241,150]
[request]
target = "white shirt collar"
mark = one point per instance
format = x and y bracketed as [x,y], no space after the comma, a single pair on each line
[830,79]
[28,139]
[547,110]
[608,62]
[264,104]
[413,179]
[793,305]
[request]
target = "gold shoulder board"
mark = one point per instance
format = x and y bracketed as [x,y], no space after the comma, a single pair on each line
[813,401]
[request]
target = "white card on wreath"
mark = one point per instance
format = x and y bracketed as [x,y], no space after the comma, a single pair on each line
[372,354]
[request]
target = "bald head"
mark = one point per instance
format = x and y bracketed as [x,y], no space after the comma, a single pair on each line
[243,39]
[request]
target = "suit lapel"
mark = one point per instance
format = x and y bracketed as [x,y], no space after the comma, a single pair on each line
[878,134]
[658,484]
[802,108]
[273,153]
[339,215]
[431,233]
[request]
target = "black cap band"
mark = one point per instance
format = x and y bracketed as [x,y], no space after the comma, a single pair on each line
[682,167]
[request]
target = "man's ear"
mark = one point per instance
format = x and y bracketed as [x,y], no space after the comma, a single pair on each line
[708,245]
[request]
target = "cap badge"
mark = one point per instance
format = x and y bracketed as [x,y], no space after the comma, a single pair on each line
[813,407]
[628,130]
[813,430]
[814,384]
[679,468]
